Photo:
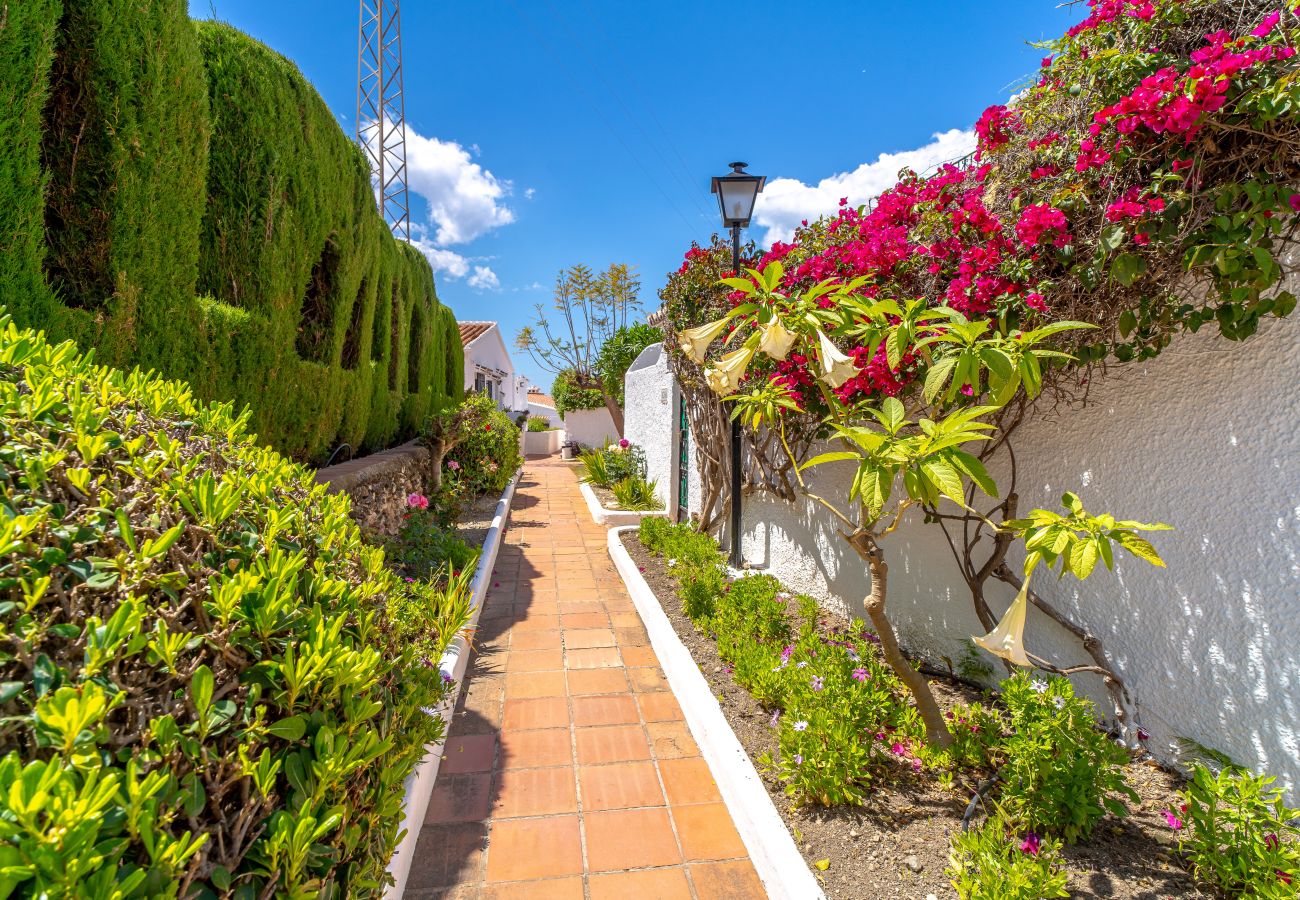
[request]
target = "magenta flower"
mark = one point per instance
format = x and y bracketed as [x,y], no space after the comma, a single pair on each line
[1271,841]
[1294,200]
[1269,23]
[1142,735]
[1030,844]
[898,749]
[454,466]
[1174,822]
[624,443]
[860,675]
[417,501]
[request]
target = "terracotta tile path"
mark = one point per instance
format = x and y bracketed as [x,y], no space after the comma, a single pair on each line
[569,772]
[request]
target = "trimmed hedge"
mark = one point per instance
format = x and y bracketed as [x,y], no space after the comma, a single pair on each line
[206,217]
[209,684]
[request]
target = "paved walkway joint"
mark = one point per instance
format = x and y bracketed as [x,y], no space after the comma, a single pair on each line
[569,772]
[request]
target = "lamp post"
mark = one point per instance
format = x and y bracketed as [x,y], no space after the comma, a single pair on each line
[736,195]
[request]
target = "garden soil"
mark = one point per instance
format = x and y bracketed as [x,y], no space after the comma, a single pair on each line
[896,846]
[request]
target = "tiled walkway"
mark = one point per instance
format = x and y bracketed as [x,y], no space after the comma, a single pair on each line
[569,772]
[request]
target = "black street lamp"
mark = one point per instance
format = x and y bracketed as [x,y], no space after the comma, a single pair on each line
[736,195]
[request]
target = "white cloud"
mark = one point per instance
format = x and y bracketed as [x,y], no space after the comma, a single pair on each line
[453,265]
[484,279]
[530,193]
[787,201]
[465,200]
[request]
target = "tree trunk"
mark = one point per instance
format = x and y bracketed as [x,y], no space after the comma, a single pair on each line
[936,730]
[615,413]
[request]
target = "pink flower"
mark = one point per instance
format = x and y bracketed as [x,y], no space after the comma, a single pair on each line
[1271,841]
[417,501]
[898,749]
[860,675]
[1040,222]
[1174,822]
[1141,238]
[1036,301]
[1142,735]
[454,466]
[1030,844]
[1294,200]
[624,443]
[1269,23]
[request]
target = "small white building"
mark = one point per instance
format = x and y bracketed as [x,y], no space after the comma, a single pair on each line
[489,369]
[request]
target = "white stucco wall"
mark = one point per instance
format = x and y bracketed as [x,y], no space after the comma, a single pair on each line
[650,419]
[1205,438]
[590,427]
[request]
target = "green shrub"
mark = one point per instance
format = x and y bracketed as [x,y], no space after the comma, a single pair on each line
[1061,773]
[425,548]
[995,862]
[569,395]
[618,353]
[210,684]
[177,196]
[486,454]
[1237,834]
[595,468]
[635,493]
[538,423]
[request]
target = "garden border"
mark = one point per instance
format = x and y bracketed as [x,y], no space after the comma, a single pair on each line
[614,518]
[419,784]
[780,865]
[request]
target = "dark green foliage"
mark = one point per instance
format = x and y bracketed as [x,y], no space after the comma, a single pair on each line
[569,394]
[210,685]
[27,34]
[618,353]
[206,217]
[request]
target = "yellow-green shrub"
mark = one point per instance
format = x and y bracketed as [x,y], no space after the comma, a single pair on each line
[207,680]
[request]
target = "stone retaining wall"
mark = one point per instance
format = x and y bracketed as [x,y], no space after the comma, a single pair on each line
[380,483]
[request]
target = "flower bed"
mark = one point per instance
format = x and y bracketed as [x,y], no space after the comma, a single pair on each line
[897,842]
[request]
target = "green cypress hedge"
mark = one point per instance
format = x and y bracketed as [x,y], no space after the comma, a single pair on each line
[205,216]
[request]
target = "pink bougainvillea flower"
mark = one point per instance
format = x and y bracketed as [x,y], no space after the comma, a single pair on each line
[898,749]
[1269,23]
[1174,822]
[1294,200]
[1030,844]
[624,443]
[1271,841]
[1036,301]
[1142,735]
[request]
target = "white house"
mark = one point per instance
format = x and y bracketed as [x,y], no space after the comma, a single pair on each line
[489,369]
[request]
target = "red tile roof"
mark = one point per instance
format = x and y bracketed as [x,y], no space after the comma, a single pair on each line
[472,331]
[536,396]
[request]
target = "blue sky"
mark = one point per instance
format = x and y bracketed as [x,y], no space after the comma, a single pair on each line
[544,133]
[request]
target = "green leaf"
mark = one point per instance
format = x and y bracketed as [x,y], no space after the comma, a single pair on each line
[1127,322]
[895,414]
[836,456]
[201,690]
[937,376]
[1127,268]
[946,479]
[1139,547]
[291,728]
[1113,237]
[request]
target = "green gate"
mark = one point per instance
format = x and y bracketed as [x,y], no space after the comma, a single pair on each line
[683,461]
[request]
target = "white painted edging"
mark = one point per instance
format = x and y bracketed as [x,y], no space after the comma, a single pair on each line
[781,867]
[419,784]
[612,518]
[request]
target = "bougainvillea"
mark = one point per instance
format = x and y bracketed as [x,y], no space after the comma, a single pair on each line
[1141,187]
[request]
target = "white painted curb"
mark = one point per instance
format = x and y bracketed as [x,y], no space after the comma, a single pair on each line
[781,867]
[419,784]
[612,518]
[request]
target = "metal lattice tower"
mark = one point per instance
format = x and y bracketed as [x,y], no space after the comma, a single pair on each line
[381,109]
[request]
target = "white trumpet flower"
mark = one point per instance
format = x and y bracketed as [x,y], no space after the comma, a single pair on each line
[724,378]
[695,341]
[1007,640]
[836,367]
[776,340]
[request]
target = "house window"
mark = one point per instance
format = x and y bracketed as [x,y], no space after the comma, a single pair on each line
[479,383]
